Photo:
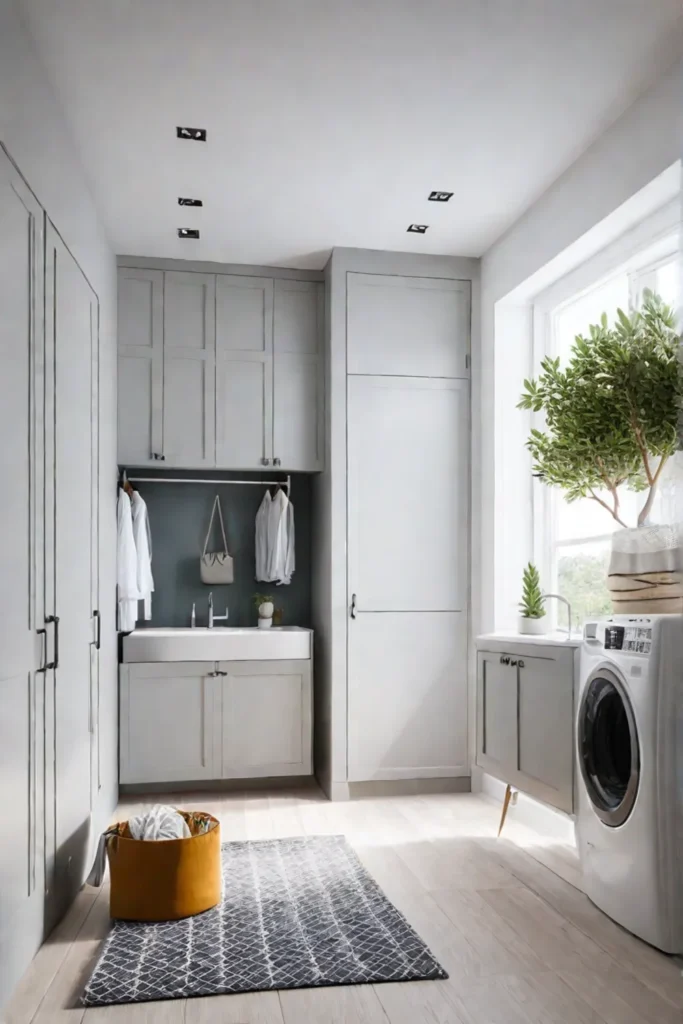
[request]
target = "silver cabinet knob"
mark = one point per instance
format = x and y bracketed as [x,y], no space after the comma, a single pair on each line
[265,462]
[277,462]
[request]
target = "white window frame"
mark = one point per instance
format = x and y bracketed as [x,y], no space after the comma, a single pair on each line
[653,243]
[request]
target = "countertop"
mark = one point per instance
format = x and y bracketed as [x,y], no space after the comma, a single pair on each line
[545,640]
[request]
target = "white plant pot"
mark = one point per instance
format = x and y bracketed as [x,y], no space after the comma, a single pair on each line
[531,627]
[646,571]
[264,623]
[266,610]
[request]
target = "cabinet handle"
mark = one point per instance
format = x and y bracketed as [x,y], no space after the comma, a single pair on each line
[520,663]
[158,457]
[265,462]
[42,633]
[212,675]
[55,620]
[513,661]
[353,606]
[277,462]
[98,636]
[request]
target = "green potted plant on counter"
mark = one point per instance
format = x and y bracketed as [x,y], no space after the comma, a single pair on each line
[611,417]
[265,608]
[531,607]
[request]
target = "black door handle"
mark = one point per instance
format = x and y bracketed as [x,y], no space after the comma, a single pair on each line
[353,606]
[43,661]
[55,620]
[96,615]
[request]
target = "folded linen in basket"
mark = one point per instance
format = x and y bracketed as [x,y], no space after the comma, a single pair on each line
[159,823]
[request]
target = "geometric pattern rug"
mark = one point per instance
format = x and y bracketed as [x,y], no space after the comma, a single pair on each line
[294,913]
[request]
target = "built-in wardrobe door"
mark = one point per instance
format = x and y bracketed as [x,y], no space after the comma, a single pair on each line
[244,372]
[22,651]
[141,365]
[408,326]
[71,550]
[407,577]
[298,386]
[189,369]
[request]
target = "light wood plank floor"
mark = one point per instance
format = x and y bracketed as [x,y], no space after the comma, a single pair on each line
[521,943]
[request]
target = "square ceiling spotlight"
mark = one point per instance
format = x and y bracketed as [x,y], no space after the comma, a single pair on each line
[440,197]
[418,229]
[188,232]
[191,134]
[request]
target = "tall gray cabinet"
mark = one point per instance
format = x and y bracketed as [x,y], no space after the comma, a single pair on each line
[219,370]
[49,600]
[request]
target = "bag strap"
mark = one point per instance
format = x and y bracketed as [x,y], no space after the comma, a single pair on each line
[216,505]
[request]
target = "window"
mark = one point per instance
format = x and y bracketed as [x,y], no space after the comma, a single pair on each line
[574,540]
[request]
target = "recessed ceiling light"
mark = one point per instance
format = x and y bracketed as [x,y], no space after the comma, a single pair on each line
[188,233]
[418,229]
[440,197]
[193,134]
[184,201]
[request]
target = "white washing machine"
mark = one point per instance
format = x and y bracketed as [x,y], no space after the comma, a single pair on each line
[629,735]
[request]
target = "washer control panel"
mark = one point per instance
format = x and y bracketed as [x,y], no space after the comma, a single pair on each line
[635,639]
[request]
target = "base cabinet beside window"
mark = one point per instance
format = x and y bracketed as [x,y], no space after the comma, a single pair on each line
[525,718]
[198,721]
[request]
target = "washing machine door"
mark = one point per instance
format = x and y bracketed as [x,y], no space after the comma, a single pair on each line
[608,747]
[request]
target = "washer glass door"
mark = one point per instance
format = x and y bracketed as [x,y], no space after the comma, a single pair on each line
[608,747]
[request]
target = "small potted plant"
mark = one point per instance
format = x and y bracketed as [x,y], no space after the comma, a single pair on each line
[265,608]
[531,607]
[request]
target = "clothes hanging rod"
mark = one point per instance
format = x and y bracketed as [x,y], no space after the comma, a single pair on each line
[216,483]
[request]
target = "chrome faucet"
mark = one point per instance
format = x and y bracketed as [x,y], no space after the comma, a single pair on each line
[215,618]
[558,597]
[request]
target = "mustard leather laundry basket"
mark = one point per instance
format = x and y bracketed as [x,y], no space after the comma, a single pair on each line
[167,879]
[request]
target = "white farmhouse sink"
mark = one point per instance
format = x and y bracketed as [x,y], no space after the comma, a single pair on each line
[280,643]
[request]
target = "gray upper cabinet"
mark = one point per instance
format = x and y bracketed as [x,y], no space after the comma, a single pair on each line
[141,365]
[189,369]
[244,371]
[298,375]
[220,370]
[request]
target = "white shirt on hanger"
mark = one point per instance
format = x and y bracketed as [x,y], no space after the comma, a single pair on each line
[143,552]
[126,565]
[275,559]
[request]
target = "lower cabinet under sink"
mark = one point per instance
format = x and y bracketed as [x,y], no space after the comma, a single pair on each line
[204,720]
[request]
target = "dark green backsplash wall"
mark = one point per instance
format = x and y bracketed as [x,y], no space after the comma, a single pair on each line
[179,517]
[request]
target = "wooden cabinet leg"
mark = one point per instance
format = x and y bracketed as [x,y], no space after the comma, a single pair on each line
[506,804]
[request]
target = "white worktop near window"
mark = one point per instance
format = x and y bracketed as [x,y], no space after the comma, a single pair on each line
[546,640]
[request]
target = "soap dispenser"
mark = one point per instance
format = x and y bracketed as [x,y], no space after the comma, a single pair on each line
[193,617]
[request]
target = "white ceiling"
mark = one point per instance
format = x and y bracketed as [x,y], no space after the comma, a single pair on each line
[329,121]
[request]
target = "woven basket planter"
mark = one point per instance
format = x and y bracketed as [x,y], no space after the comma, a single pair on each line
[646,571]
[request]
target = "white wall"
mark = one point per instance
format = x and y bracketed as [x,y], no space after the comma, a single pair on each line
[641,144]
[35,134]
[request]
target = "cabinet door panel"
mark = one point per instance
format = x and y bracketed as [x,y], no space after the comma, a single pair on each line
[242,388]
[408,326]
[244,367]
[407,696]
[187,412]
[140,358]
[297,375]
[408,444]
[189,369]
[546,716]
[497,716]
[266,719]
[22,897]
[297,416]
[169,721]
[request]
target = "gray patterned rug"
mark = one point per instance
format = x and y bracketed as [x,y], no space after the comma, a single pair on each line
[295,913]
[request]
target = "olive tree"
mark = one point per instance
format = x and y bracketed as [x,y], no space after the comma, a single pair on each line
[611,415]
